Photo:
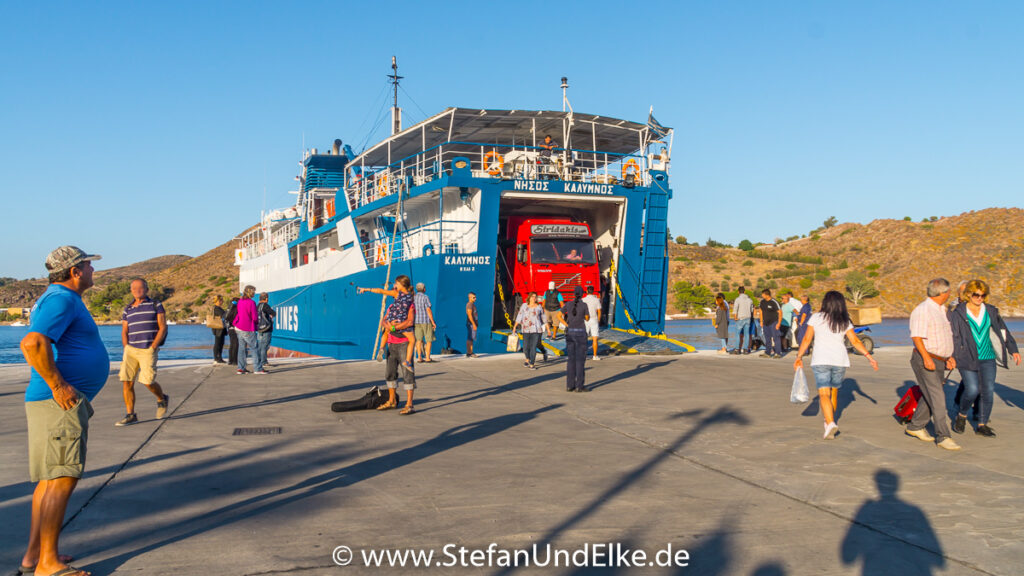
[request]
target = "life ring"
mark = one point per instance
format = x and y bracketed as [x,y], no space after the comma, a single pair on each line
[382,185]
[330,208]
[631,163]
[490,167]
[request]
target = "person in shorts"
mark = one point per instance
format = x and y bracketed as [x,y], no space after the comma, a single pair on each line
[57,400]
[472,323]
[424,325]
[829,362]
[143,328]
[593,323]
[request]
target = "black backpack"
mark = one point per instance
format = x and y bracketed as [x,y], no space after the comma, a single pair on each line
[266,320]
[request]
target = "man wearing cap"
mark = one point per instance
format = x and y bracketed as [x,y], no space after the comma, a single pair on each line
[143,328]
[424,323]
[57,400]
[553,309]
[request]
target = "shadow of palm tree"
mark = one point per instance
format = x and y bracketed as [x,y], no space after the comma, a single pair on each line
[160,534]
[621,376]
[724,415]
[891,536]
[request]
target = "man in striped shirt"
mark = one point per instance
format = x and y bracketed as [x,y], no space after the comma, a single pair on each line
[933,353]
[143,328]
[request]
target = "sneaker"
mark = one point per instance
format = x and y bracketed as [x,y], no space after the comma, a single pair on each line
[595,358]
[127,420]
[949,444]
[921,434]
[161,407]
[239,371]
[261,372]
[764,355]
[984,430]
[959,424]
[831,430]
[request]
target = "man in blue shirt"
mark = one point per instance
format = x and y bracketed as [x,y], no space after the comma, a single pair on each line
[57,400]
[143,328]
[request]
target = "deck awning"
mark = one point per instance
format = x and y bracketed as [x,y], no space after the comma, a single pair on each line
[506,128]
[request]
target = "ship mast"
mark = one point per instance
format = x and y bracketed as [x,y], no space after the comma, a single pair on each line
[396,112]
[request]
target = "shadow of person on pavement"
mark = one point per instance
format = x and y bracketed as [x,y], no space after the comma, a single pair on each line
[891,536]
[846,396]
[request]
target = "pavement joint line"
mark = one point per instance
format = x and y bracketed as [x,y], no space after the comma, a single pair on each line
[751,483]
[131,457]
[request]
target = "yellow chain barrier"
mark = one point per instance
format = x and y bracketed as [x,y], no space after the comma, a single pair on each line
[618,291]
[501,294]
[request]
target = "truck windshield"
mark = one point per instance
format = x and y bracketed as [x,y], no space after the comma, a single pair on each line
[562,252]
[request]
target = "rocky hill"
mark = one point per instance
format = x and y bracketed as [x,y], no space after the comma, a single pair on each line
[897,256]
[187,283]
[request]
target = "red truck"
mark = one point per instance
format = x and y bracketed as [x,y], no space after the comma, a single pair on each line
[543,250]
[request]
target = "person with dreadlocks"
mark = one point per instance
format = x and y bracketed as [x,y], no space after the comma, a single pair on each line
[576,314]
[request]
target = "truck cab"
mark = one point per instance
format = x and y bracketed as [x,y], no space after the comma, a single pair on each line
[547,250]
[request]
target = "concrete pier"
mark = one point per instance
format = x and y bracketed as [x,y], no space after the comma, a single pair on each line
[700,452]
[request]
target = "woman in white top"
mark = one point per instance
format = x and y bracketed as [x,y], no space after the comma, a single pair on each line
[829,362]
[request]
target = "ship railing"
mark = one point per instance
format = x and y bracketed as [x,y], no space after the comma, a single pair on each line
[268,237]
[437,237]
[505,162]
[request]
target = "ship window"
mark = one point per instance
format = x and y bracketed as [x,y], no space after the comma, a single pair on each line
[567,251]
[293,255]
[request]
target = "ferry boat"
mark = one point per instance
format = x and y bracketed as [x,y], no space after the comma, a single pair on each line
[436,200]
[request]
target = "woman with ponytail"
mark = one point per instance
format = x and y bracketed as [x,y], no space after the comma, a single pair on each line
[576,315]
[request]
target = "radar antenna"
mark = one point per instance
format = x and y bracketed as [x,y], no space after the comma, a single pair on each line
[396,112]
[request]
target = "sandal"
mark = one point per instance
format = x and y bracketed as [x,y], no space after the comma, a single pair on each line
[407,411]
[388,405]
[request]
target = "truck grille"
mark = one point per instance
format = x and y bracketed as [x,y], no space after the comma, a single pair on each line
[565,282]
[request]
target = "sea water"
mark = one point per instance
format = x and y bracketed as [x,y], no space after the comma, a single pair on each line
[184,342]
[700,334]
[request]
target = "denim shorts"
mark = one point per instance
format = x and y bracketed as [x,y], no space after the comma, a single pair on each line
[829,376]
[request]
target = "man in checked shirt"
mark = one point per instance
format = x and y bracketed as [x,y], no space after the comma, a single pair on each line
[933,353]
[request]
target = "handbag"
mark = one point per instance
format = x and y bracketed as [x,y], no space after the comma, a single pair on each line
[215,322]
[513,343]
[799,393]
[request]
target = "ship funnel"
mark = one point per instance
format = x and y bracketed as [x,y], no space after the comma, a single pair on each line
[337,147]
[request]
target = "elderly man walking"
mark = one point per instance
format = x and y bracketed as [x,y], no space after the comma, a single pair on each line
[57,398]
[143,328]
[933,352]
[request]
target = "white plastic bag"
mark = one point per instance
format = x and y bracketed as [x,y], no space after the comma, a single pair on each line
[512,345]
[799,394]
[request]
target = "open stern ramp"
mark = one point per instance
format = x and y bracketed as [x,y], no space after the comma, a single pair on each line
[613,341]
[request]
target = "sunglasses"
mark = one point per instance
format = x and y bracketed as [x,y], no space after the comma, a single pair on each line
[978,295]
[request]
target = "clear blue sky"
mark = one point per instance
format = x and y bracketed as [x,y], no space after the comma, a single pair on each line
[149,128]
